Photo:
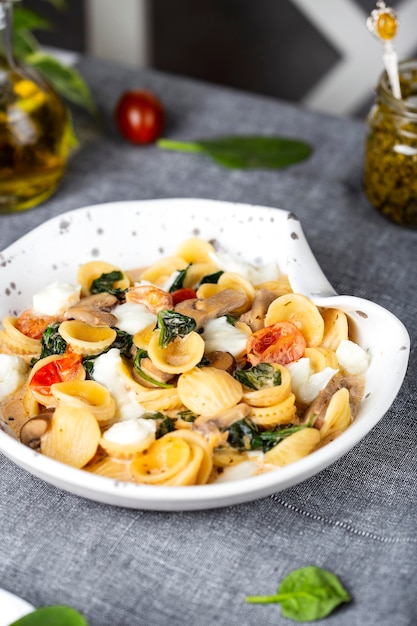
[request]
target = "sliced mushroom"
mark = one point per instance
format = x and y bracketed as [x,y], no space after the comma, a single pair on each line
[188,307]
[220,304]
[153,372]
[317,409]
[32,431]
[256,315]
[225,418]
[94,310]
[222,360]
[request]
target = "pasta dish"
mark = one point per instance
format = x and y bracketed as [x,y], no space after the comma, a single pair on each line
[195,369]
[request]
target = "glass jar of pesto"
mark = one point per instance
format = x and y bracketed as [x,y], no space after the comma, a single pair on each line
[390,169]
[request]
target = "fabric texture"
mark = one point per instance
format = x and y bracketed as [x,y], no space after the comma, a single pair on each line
[356,518]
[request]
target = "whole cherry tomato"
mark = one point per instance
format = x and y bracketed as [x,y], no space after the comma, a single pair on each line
[279,343]
[139,116]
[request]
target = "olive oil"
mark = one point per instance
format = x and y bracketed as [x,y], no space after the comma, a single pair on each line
[34,133]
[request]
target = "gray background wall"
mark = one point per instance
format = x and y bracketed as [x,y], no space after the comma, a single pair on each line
[316,52]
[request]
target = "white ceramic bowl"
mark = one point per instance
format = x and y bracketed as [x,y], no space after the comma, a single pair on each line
[12,607]
[131,234]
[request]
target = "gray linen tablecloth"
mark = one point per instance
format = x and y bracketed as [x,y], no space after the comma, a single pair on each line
[357,518]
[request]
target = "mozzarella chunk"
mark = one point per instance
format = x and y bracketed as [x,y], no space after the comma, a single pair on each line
[352,357]
[130,431]
[243,470]
[133,317]
[13,372]
[305,384]
[256,275]
[106,372]
[220,335]
[56,298]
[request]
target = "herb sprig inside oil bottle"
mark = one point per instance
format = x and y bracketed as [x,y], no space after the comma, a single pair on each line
[35,125]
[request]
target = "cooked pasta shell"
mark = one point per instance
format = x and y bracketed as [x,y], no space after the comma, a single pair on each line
[110,467]
[150,399]
[160,271]
[336,328]
[196,250]
[293,448]
[227,456]
[16,340]
[302,312]
[179,458]
[160,399]
[197,271]
[142,337]
[269,396]
[232,280]
[195,440]
[72,437]
[88,272]
[125,439]
[85,339]
[269,416]
[280,286]
[338,416]
[88,394]
[180,355]
[208,390]
[206,290]
[320,358]
[30,403]
[165,458]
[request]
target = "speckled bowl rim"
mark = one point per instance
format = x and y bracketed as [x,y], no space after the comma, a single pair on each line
[144,230]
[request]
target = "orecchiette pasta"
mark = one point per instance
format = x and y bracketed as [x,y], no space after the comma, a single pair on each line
[229,374]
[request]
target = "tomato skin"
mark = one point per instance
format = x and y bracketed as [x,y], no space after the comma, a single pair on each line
[186,293]
[139,116]
[279,343]
[65,368]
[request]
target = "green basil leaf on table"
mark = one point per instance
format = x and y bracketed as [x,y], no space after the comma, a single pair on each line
[54,615]
[245,152]
[306,594]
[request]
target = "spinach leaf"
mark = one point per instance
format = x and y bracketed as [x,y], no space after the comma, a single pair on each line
[213,279]
[187,415]
[52,342]
[259,376]
[179,280]
[306,594]
[105,283]
[245,435]
[172,324]
[142,354]
[54,615]
[164,425]
[123,342]
[245,152]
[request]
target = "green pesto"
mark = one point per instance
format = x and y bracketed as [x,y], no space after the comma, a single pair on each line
[390,168]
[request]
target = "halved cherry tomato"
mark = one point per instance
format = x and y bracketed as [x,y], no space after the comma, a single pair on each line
[139,116]
[57,371]
[185,293]
[279,343]
[33,325]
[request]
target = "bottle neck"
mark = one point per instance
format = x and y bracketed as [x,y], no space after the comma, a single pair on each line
[6,32]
